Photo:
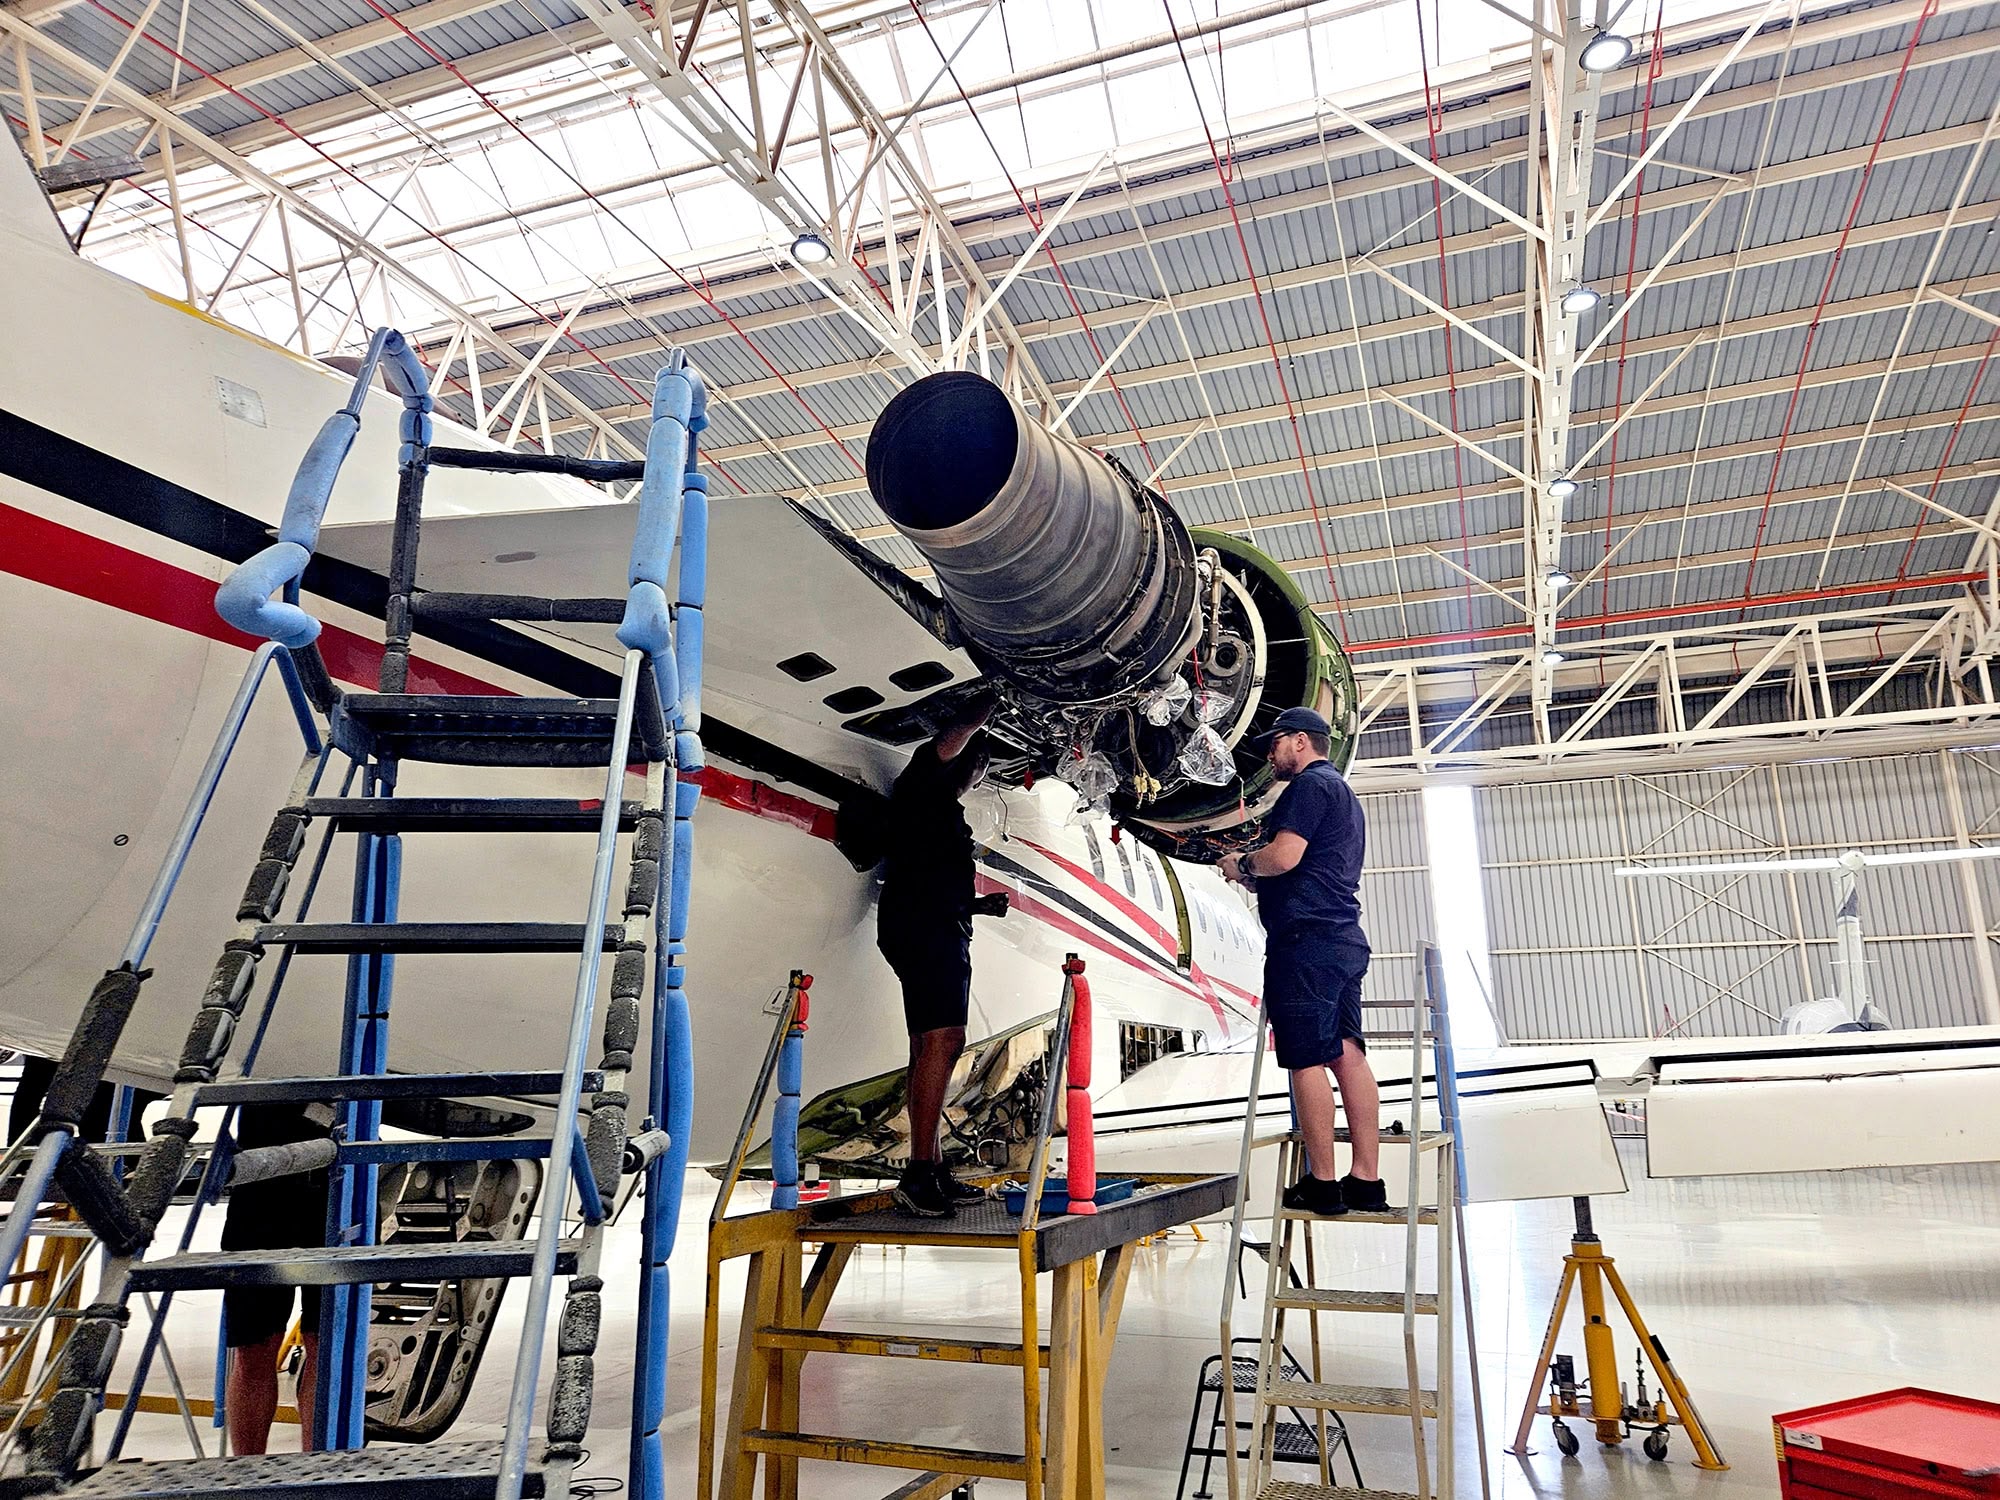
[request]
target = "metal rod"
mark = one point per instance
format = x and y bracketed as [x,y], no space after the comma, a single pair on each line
[28,1201]
[758,1092]
[1058,1055]
[555,1186]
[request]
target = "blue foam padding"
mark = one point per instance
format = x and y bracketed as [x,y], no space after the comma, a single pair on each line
[305,506]
[647,626]
[245,601]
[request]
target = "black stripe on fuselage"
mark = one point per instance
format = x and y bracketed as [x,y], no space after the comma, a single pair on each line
[92,478]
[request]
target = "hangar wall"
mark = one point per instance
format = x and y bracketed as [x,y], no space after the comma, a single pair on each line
[1578,953]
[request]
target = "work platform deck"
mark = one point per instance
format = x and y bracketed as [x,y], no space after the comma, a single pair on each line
[784,1318]
[1157,1204]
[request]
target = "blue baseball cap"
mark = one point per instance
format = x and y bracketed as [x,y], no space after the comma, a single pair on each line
[1291,721]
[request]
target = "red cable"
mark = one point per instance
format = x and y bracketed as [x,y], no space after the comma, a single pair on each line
[700,291]
[1678,611]
[1433,111]
[1944,461]
[1826,290]
[1034,215]
[1224,175]
[1657,66]
[286,126]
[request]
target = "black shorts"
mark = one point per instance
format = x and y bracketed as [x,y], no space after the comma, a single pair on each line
[285,1215]
[1312,998]
[936,975]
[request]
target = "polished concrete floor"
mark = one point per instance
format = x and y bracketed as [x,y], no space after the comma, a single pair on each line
[1772,1293]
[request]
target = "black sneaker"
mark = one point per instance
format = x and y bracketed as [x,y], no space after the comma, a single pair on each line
[921,1194]
[1315,1195]
[1363,1195]
[956,1192]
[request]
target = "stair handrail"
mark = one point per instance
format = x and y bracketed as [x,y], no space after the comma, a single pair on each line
[654,635]
[245,598]
[790,1011]
[1261,1046]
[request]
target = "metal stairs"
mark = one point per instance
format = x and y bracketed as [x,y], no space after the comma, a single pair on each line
[1432,1196]
[639,921]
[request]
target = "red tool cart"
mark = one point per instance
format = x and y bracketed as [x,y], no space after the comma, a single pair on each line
[1899,1445]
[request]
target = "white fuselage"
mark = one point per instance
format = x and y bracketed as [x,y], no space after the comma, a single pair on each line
[142,443]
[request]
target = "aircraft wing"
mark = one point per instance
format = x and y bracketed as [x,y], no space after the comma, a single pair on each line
[799,636]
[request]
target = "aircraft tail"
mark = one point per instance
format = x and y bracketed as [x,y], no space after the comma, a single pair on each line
[25,208]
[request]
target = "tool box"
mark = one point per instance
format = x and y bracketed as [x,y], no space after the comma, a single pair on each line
[1906,1444]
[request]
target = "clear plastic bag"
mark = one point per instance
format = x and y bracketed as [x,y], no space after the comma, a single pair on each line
[1093,777]
[1212,707]
[1206,759]
[1167,702]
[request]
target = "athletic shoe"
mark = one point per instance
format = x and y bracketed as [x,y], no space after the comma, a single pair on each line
[921,1194]
[1315,1195]
[1363,1195]
[957,1192]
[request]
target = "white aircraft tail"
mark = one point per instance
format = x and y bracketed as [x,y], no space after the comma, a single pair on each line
[25,208]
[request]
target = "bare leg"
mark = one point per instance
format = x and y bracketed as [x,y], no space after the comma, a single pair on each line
[308,1388]
[933,1054]
[1361,1102]
[252,1394]
[1312,1096]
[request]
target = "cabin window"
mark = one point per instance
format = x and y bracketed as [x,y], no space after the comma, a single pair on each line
[1140,1045]
[1201,914]
[1151,862]
[1125,864]
[1096,854]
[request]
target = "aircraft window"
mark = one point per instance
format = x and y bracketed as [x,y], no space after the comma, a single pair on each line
[1125,864]
[1096,854]
[1201,914]
[852,700]
[1140,1045]
[1152,863]
[806,666]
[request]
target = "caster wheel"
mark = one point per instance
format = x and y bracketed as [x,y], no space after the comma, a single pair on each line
[1656,1446]
[1566,1440]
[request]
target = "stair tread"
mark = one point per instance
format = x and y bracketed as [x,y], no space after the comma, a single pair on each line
[344,1086]
[470,729]
[1399,1217]
[433,937]
[471,814]
[1389,1400]
[393,1471]
[344,1265]
[838,1448]
[1337,1299]
[1286,1489]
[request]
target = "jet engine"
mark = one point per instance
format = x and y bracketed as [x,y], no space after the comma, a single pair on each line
[1139,657]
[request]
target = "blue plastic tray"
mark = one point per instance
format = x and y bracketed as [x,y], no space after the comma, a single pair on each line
[1055,1194]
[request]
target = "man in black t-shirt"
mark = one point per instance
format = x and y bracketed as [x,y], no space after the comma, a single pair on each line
[1308,880]
[925,931]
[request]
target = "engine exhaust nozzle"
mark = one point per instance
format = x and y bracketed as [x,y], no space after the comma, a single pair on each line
[1065,574]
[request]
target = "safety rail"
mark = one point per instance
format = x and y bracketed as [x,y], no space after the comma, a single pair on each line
[658,706]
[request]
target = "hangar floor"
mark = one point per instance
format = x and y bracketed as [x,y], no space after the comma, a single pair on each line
[1772,1292]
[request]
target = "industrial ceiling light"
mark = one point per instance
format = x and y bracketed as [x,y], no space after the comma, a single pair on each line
[1552,657]
[1561,489]
[810,249]
[1557,578]
[1604,52]
[1581,298]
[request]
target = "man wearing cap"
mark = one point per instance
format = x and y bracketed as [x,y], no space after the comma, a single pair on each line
[1308,879]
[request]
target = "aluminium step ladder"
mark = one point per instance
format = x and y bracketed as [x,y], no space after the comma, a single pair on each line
[1433,1201]
[653,721]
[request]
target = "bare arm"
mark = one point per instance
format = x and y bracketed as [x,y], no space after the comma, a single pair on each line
[1275,858]
[955,736]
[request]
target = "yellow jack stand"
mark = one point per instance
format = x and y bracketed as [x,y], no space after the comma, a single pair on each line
[1587,1268]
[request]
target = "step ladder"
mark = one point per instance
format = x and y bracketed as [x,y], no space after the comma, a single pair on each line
[635,923]
[1432,1194]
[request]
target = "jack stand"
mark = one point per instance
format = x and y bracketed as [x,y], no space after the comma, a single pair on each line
[1588,1269]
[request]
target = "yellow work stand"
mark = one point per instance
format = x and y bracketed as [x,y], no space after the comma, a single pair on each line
[1089,1258]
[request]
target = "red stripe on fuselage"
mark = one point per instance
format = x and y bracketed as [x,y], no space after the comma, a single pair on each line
[75,562]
